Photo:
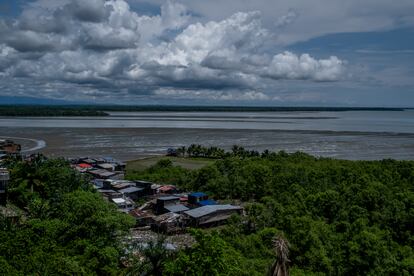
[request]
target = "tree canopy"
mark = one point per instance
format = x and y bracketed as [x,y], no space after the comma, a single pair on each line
[340,217]
[67,229]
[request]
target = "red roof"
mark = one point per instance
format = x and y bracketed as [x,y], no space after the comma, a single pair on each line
[167,188]
[84,166]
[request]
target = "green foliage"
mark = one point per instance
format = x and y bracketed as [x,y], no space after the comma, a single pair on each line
[42,178]
[67,230]
[162,172]
[340,217]
[209,256]
[151,260]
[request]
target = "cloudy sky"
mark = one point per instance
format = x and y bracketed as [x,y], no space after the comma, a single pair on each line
[203,52]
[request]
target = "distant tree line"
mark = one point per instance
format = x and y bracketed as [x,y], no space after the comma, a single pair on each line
[100,110]
[183,108]
[212,152]
[49,111]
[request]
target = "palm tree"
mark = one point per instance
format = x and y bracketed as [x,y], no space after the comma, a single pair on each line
[151,258]
[182,150]
[32,168]
[190,150]
[279,267]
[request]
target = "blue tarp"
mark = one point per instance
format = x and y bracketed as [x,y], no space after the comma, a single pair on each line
[207,202]
[198,194]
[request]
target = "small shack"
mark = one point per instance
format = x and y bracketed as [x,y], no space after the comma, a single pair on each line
[132,192]
[211,214]
[163,202]
[178,208]
[106,166]
[89,161]
[121,184]
[148,186]
[102,174]
[168,223]
[142,218]
[100,160]
[84,166]
[124,204]
[108,193]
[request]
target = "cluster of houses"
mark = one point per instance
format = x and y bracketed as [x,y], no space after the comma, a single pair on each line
[99,168]
[174,212]
[162,208]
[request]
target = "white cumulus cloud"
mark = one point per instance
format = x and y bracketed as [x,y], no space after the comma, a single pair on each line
[105,46]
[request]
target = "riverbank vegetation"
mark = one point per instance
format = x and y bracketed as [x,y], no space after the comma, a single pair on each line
[336,217]
[340,217]
[49,111]
[102,110]
[67,228]
[185,163]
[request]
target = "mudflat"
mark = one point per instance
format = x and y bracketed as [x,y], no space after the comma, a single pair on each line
[136,143]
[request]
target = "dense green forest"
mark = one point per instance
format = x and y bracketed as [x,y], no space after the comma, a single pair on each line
[66,228]
[340,217]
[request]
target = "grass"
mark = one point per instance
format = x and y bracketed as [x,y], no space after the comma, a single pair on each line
[184,162]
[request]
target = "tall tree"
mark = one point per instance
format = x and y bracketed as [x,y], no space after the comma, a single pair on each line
[280,266]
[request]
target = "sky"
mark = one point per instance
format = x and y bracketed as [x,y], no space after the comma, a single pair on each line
[208,52]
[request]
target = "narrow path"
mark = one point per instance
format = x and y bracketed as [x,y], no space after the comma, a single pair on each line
[40,144]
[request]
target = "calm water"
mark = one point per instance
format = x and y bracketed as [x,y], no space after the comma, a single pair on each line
[366,121]
[129,135]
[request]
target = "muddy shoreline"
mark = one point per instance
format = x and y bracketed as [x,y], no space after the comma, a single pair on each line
[134,143]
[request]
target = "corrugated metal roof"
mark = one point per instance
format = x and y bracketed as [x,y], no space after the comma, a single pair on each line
[102,173]
[121,186]
[176,208]
[118,200]
[106,166]
[106,191]
[130,190]
[206,210]
[169,198]
[89,161]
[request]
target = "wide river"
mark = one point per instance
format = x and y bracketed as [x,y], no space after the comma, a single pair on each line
[130,135]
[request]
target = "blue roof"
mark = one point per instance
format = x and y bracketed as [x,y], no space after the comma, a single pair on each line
[198,194]
[207,202]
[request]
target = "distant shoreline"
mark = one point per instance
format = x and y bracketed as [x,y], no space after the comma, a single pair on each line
[102,110]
